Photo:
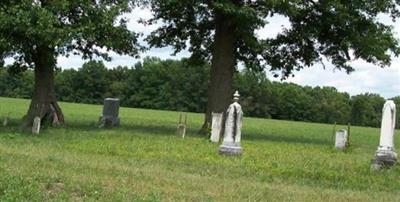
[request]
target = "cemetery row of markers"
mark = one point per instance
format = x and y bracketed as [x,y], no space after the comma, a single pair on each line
[230,124]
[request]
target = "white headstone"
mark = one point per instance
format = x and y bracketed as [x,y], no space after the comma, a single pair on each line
[36,126]
[341,139]
[181,128]
[386,155]
[216,127]
[5,122]
[233,127]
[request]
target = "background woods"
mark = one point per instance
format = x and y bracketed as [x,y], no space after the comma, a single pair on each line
[183,87]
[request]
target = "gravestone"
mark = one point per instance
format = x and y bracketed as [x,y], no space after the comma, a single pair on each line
[233,127]
[181,128]
[5,121]
[110,113]
[216,127]
[341,139]
[36,125]
[386,155]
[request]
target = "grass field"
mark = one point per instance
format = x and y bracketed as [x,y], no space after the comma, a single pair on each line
[143,160]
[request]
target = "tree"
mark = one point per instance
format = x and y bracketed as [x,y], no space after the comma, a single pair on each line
[367,110]
[224,30]
[36,32]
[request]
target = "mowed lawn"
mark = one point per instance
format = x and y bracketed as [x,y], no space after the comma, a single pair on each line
[143,160]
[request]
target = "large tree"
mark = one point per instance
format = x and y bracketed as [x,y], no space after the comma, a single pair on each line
[35,32]
[224,31]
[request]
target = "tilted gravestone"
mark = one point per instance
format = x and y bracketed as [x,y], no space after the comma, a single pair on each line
[386,155]
[181,127]
[110,113]
[216,126]
[233,126]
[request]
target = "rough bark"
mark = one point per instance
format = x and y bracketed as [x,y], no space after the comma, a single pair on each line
[222,68]
[44,102]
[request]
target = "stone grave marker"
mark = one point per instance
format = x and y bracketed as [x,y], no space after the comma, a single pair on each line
[386,155]
[233,126]
[181,127]
[342,138]
[110,116]
[216,127]
[36,125]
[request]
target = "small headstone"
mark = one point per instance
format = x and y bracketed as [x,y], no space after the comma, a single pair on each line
[36,125]
[233,127]
[110,113]
[5,121]
[386,155]
[341,139]
[216,127]
[181,128]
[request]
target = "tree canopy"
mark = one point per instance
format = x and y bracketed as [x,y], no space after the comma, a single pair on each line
[35,32]
[339,30]
[88,28]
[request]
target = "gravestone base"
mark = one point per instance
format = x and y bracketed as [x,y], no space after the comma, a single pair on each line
[230,149]
[108,122]
[384,158]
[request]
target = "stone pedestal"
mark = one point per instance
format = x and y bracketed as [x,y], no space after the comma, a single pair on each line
[230,149]
[110,113]
[233,126]
[386,155]
[216,127]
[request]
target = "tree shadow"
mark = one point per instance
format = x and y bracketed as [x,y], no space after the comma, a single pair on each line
[167,130]
[159,130]
[287,139]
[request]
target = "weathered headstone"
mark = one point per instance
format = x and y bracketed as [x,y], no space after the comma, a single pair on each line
[216,127]
[36,125]
[110,113]
[341,139]
[5,121]
[233,127]
[386,155]
[181,128]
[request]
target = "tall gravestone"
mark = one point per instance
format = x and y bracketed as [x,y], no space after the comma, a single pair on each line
[110,117]
[233,126]
[216,126]
[386,155]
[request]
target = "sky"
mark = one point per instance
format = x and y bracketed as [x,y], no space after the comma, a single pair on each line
[366,78]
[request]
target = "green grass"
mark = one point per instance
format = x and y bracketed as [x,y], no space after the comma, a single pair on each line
[143,160]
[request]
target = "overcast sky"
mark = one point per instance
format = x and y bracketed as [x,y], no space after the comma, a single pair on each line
[366,78]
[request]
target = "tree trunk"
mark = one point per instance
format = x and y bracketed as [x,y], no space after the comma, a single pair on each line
[44,102]
[222,68]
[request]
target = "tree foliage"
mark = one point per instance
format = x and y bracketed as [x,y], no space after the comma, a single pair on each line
[88,28]
[341,31]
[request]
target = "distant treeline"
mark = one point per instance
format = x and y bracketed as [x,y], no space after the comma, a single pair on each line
[176,85]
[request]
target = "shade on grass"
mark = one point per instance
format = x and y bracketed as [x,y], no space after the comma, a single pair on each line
[143,160]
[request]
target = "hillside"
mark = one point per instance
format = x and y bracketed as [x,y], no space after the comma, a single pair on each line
[143,160]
